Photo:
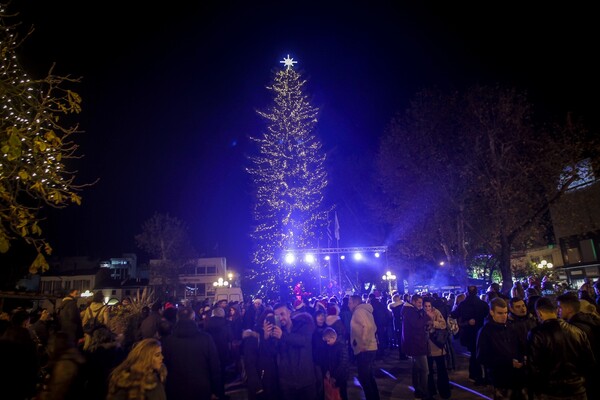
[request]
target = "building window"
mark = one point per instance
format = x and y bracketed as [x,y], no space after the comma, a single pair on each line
[113,292]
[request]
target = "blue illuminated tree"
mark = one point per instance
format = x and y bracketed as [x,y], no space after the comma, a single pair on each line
[289,178]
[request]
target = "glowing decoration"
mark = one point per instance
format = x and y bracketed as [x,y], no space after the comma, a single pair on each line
[288,62]
[289,177]
[35,146]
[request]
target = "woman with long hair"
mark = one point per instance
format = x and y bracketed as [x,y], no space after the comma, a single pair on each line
[141,376]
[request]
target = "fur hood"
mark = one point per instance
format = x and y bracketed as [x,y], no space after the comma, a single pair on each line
[330,320]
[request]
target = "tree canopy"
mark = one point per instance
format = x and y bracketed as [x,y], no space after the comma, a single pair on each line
[471,174]
[35,146]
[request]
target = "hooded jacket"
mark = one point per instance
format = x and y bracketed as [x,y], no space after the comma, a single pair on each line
[362,329]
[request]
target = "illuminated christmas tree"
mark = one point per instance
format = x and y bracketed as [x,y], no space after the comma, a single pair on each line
[289,177]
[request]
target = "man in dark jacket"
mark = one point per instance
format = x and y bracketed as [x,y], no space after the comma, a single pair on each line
[192,361]
[520,320]
[498,352]
[470,314]
[70,318]
[559,355]
[292,345]
[415,324]
[569,309]
[220,329]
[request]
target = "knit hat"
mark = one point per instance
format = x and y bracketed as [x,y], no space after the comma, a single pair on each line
[332,310]
[218,312]
[298,304]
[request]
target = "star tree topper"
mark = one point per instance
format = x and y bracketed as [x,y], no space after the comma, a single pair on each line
[288,62]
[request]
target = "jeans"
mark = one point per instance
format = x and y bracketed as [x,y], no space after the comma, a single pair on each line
[364,365]
[420,372]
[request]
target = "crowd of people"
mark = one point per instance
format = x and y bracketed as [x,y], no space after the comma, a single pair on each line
[525,344]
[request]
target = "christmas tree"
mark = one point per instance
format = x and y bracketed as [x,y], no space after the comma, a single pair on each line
[289,179]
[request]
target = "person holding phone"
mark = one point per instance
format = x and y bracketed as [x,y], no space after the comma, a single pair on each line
[291,341]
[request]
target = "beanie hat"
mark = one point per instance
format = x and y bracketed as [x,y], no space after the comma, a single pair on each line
[298,304]
[218,312]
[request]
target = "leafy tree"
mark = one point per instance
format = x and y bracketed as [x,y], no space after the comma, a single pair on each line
[468,174]
[35,146]
[289,179]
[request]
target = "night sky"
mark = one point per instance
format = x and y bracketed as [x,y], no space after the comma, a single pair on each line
[170,92]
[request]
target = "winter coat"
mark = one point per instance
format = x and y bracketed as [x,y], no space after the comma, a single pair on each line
[67,377]
[100,312]
[362,329]
[438,323]
[70,319]
[497,347]
[396,309]
[470,308]
[559,357]
[414,331]
[335,322]
[192,362]
[220,330]
[294,353]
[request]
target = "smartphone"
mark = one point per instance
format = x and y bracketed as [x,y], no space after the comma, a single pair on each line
[277,321]
[270,319]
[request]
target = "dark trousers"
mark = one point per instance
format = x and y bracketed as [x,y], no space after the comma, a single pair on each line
[364,366]
[475,368]
[305,393]
[442,384]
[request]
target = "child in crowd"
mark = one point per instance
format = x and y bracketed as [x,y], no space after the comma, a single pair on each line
[338,364]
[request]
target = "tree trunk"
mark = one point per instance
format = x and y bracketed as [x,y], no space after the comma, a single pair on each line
[504,266]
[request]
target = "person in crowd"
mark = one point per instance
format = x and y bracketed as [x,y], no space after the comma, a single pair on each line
[499,353]
[67,376]
[337,365]
[150,327]
[319,348]
[517,290]
[334,321]
[192,359]
[364,344]
[103,354]
[20,364]
[470,314]
[346,317]
[382,318]
[520,321]
[436,354]
[415,327]
[291,342]
[97,311]
[43,327]
[141,376]
[70,318]
[252,313]
[559,356]
[169,318]
[569,309]
[220,330]
[395,308]
[259,365]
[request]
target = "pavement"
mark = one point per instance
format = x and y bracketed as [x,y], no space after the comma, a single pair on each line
[394,380]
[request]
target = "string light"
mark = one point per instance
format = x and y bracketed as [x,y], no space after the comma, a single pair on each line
[289,176]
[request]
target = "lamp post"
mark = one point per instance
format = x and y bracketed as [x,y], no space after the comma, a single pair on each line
[389,277]
[220,283]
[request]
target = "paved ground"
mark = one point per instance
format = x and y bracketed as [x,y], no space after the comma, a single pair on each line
[394,380]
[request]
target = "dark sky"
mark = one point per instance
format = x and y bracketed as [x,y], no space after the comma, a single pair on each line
[170,92]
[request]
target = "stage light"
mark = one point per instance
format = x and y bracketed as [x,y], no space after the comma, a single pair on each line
[289,258]
[358,256]
[309,258]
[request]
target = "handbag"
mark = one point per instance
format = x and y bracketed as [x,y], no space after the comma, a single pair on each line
[332,392]
[439,337]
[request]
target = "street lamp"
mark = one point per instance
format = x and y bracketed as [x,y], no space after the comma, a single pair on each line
[545,264]
[220,283]
[389,278]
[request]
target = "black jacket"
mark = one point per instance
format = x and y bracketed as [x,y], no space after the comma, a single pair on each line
[192,362]
[559,357]
[497,346]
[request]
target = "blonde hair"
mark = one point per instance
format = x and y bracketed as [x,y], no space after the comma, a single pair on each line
[136,374]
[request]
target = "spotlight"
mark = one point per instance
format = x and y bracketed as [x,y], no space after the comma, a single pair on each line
[377,255]
[358,256]
[309,258]
[342,257]
[289,258]
[327,258]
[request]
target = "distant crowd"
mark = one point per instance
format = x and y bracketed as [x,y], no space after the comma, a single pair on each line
[525,343]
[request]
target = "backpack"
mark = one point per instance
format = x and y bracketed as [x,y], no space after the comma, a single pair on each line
[92,323]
